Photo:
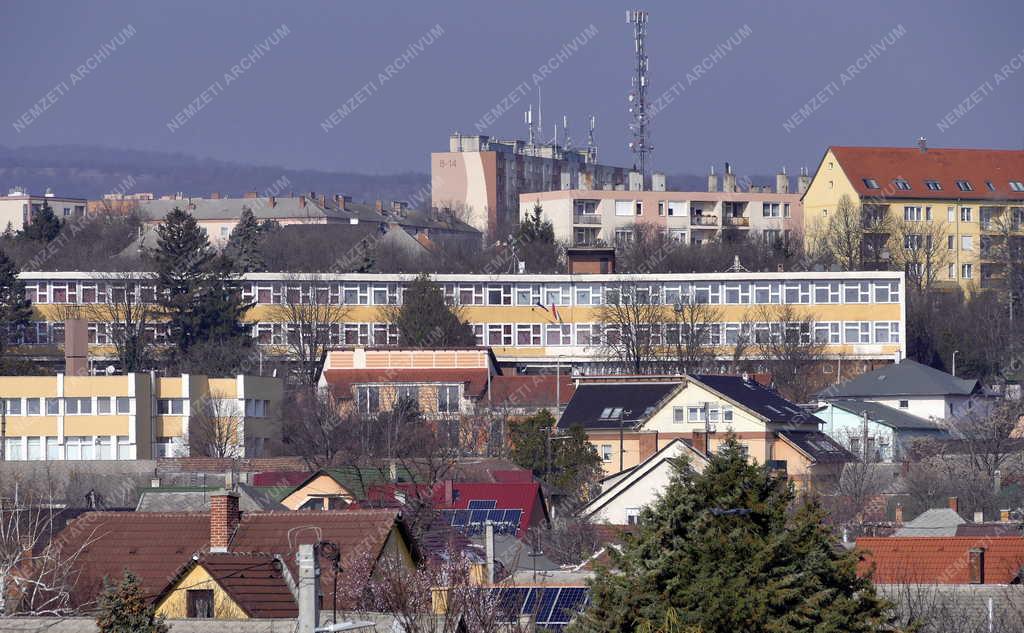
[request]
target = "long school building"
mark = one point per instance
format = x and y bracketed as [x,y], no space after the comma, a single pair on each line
[529,321]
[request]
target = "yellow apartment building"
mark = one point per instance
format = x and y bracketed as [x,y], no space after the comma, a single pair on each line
[135,416]
[975,194]
[529,321]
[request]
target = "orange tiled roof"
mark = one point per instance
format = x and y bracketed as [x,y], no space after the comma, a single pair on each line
[977,166]
[341,380]
[940,560]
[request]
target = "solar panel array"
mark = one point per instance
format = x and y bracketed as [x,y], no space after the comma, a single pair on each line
[551,607]
[472,521]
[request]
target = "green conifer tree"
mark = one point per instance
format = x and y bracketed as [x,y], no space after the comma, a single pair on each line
[43,226]
[425,318]
[567,461]
[725,552]
[123,608]
[15,309]
[244,247]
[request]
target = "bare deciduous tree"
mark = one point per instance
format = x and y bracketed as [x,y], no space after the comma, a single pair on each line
[688,336]
[920,249]
[785,341]
[631,328]
[310,313]
[215,428]
[129,310]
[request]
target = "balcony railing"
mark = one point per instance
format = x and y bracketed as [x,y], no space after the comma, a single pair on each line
[736,221]
[703,220]
[586,218]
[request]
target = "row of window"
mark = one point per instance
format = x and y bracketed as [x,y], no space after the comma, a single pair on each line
[521,294]
[101,405]
[902,184]
[75,447]
[924,214]
[595,334]
[368,397]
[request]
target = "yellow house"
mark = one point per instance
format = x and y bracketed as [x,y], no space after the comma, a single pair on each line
[137,416]
[629,419]
[230,587]
[973,195]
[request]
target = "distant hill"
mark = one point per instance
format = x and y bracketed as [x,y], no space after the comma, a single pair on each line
[91,171]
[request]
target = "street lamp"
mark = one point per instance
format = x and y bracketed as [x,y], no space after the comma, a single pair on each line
[955,352]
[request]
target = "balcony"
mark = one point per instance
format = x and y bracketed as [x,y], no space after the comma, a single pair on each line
[704,220]
[737,221]
[586,218]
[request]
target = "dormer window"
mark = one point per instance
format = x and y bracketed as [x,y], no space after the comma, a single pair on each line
[991,185]
[933,185]
[870,183]
[1017,185]
[964,185]
[901,184]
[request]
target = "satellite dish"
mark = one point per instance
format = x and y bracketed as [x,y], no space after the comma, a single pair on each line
[110,370]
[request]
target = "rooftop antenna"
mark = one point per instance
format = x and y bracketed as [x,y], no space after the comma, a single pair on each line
[591,144]
[540,112]
[736,267]
[637,98]
[565,132]
[528,117]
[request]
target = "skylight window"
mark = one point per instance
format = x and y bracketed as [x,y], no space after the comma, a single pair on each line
[901,184]
[991,185]
[611,413]
[964,185]
[870,183]
[1017,185]
[933,185]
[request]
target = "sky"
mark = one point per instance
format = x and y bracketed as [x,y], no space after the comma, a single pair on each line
[257,82]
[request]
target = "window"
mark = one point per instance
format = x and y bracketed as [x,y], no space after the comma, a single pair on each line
[870,183]
[13,449]
[368,399]
[1017,185]
[623,236]
[255,408]
[199,603]
[52,449]
[904,404]
[606,452]
[639,207]
[624,207]
[901,184]
[933,185]
[103,406]
[950,214]
[124,448]
[12,406]
[407,392]
[951,269]
[916,214]
[964,185]
[679,415]
[966,242]
[771,210]
[32,406]
[78,406]
[103,447]
[676,208]
[170,406]
[53,406]
[950,242]
[448,399]
[632,516]
[965,214]
[967,271]
[123,405]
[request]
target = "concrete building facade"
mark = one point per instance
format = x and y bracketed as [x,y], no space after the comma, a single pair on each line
[18,206]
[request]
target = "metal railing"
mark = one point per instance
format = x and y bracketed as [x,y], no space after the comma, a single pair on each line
[586,218]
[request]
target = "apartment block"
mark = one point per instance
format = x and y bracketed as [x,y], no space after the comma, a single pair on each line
[18,207]
[975,195]
[134,416]
[481,178]
[529,321]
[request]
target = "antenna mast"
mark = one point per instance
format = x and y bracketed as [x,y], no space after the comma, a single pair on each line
[591,145]
[640,144]
[528,117]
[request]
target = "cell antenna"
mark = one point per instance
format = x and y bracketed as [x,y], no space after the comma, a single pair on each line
[638,127]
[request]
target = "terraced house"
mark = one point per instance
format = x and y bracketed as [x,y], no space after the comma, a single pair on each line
[529,321]
[975,198]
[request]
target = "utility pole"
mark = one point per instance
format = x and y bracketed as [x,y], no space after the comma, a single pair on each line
[640,144]
[864,435]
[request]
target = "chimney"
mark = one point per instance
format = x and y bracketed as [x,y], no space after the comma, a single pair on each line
[658,182]
[954,504]
[309,588]
[729,181]
[224,517]
[272,200]
[976,565]
[76,347]
[302,202]
[252,194]
[1004,516]
[449,492]
[782,182]
[154,482]
[323,200]
[803,182]
[979,516]
[697,442]
[636,181]
[489,551]
[339,200]
[712,180]
[899,514]
[922,144]
[379,205]
[215,195]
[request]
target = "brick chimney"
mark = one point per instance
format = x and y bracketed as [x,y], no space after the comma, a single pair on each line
[224,517]
[1004,516]
[954,504]
[272,201]
[251,194]
[449,492]
[215,195]
[899,514]
[379,205]
[302,202]
[339,201]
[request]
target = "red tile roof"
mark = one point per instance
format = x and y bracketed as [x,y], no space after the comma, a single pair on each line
[154,545]
[255,582]
[531,391]
[341,381]
[977,166]
[940,560]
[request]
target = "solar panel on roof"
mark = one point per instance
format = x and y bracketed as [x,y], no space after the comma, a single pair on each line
[570,601]
[483,504]
[495,515]
[477,516]
[461,517]
[531,601]
[512,517]
[545,605]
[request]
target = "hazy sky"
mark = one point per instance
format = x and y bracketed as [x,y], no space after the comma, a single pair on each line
[272,110]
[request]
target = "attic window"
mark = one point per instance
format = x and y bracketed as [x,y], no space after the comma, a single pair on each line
[870,183]
[933,185]
[612,413]
[901,184]
[1017,185]
[964,185]
[991,185]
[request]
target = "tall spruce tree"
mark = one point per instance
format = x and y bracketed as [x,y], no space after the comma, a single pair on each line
[725,551]
[15,309]
[425,318]
[534,242]
[196,290]
[43,226]
[568,461]
[244,247]
[124,608]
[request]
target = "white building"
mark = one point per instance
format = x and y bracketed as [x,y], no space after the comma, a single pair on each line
[17,207]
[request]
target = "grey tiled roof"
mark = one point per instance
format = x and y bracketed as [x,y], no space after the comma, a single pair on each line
[250,499]
[906,378]
[934,522]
